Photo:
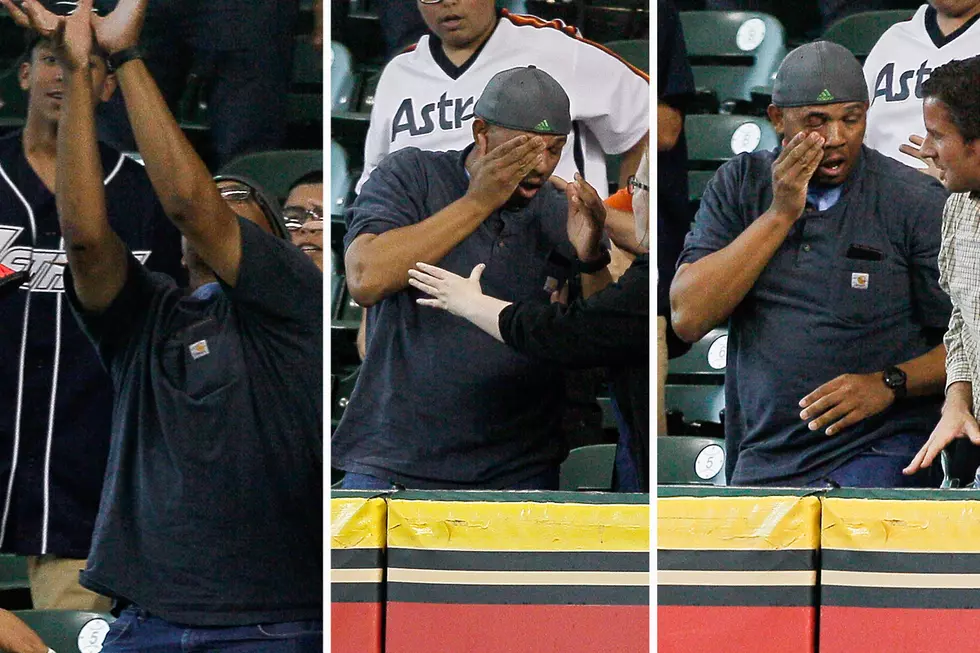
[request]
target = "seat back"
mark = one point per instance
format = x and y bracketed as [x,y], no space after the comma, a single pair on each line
[714,139]
[276,170]
[690,460]
[68,631]
[636,52]
[588,468]
[341,78]
[695,381]
[340,179]
[733,51]
[859,32]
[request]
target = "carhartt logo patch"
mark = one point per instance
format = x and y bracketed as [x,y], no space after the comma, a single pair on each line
[859,280]
[199,349]
[542,126]
[825,96]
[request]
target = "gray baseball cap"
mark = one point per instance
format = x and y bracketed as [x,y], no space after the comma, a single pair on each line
[526,99]
[819,73]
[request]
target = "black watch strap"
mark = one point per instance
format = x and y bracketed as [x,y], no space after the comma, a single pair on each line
[598,264]
[117,59]
[895,379]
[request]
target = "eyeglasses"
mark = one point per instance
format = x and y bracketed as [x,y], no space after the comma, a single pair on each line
[297,217]
[235,192]
[632,184]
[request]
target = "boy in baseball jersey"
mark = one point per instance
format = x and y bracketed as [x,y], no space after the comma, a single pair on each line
[425,97]
[902,59]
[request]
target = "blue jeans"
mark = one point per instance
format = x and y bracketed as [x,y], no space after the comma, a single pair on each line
[881,466]
[136,631]
[546,480]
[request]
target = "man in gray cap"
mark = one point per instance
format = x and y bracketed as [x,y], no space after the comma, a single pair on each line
[438,403]
[821,256]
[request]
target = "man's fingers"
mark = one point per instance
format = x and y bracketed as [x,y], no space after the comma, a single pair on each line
[16,13]
[917,462]
[827,417]
[789,146]
[434,303]
[911,151]
[972,431]
[512,150]
[822,391]
[916,139]
[558,182]
[849,419]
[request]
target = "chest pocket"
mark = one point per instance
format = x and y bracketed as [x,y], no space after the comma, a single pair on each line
[864,292]
[202,359]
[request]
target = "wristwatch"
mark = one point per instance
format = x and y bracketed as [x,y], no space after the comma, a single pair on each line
[117,59]
[895,379]
[596,265]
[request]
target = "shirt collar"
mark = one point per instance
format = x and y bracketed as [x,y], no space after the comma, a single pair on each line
[207,291]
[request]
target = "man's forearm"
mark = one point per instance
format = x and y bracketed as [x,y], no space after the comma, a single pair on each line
[704,293]
[926,374]
[959,395]
[177,173]
[378,265]
[96,256]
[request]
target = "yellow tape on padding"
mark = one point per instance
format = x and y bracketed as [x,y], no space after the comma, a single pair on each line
[901,525]
[489,526]
[357,523]
[742,523]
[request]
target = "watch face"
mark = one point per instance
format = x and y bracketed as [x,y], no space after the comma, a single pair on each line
[894,378]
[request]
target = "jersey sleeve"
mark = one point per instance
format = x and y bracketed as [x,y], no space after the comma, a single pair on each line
[277,281]
[613,99]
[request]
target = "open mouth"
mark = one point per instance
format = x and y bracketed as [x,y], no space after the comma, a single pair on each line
[528,190]
[311,248]
[451,21]
[832,167]
[56,95]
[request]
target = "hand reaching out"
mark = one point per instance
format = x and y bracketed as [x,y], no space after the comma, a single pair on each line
[586,216]
[792,171]
[495,175]
[31,14]
[121,28]
[449,291]
[915,150]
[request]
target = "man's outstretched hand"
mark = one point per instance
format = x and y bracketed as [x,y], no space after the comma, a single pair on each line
[31,14]
[121,28]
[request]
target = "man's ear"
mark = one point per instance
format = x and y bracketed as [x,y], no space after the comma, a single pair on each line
[24,75]
[776,118]
[108,87]
[480,127]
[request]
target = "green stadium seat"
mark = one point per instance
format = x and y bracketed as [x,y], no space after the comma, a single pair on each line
[636,52]
[695,382]
[68,631]
[13,572]
[731,52]
[369,85]
[714,139]
[605,20]
[305,101]
[689,460]
[588,468]
[276,170]
[340,179]
[859,32]
[342,80]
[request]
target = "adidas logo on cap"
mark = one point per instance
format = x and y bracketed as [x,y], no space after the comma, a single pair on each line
[542,126]
[825,96]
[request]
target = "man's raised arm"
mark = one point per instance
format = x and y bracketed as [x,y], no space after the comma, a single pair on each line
[181,180]
[96,255]
[704,293]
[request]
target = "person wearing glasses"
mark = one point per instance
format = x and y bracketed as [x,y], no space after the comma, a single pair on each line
[822,258]
[303,212]
[55,396]
[210,525]
[607,327]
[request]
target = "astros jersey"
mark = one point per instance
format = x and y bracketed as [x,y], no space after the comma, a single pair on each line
[899,63]
[425,101]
